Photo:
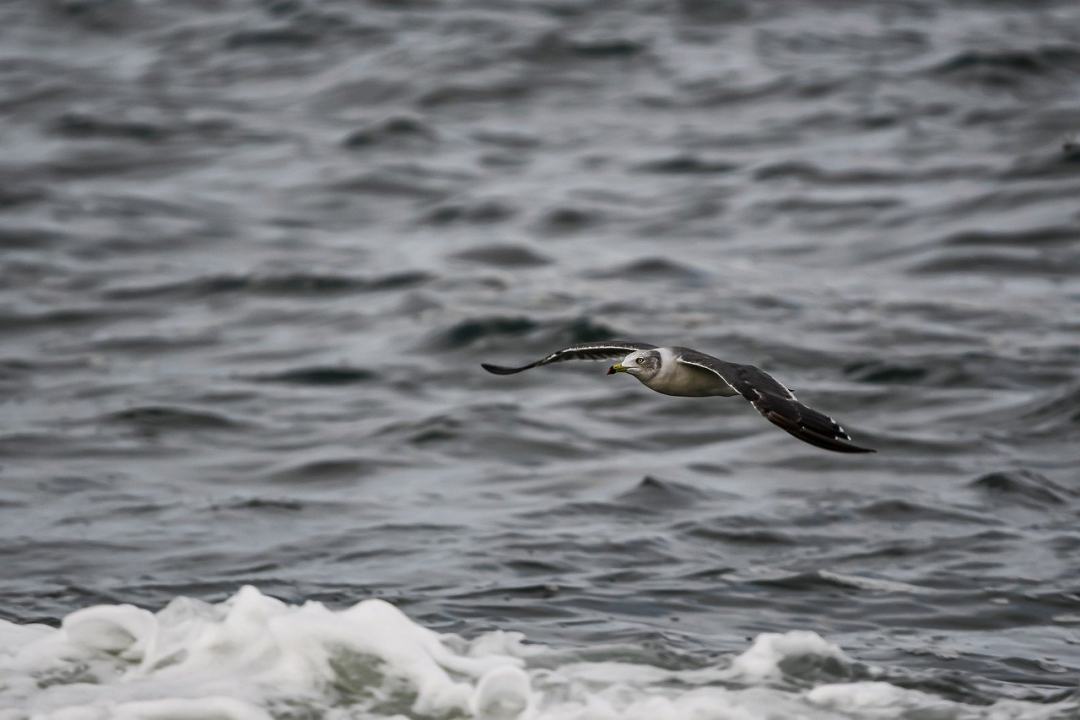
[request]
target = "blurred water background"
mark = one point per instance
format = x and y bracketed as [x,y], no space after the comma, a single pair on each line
[252,254]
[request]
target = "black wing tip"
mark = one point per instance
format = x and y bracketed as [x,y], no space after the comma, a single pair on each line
[824,440]
[836,444]
[833,444]
[846,447]
[499,369]
[843,439]
[503,370]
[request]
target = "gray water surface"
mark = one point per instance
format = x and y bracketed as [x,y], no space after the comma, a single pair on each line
[252,254]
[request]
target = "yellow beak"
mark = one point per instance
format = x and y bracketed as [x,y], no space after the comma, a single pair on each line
[617,367]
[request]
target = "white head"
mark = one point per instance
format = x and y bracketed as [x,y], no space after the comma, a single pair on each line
[642,364]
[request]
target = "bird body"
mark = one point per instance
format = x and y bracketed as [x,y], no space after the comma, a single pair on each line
[684,372]
[676,378]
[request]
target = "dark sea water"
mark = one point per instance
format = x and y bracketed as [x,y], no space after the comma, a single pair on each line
[252,254]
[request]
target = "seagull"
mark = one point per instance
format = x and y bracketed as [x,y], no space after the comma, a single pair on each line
[684,372]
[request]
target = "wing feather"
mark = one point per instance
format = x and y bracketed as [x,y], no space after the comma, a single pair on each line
[776,403]
[605,350]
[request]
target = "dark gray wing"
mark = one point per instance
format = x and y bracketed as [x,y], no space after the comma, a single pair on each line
[778,404]
[606,350]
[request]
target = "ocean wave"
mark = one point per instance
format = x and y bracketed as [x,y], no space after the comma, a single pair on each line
[318,375]
[253,657]
[1009,67]
[252,254]
[543,336]
[1023,487]
[504,256]
[267,284]
[154,418]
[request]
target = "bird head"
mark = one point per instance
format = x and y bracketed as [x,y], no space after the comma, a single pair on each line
[642,364]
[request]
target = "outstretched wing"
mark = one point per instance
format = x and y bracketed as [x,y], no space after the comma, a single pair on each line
[605,350]
[776,403]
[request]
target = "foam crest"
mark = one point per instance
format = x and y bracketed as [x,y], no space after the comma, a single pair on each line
[246,657]
[766,658]
[253,657]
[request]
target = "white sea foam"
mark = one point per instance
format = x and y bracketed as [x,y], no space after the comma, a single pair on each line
[765,658]
[254,658]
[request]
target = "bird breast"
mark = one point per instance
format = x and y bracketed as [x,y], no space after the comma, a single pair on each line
[680,380]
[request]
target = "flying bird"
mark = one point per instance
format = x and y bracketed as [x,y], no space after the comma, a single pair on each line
[684,372]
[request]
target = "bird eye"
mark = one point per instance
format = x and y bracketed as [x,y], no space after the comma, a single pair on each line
[641,361]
